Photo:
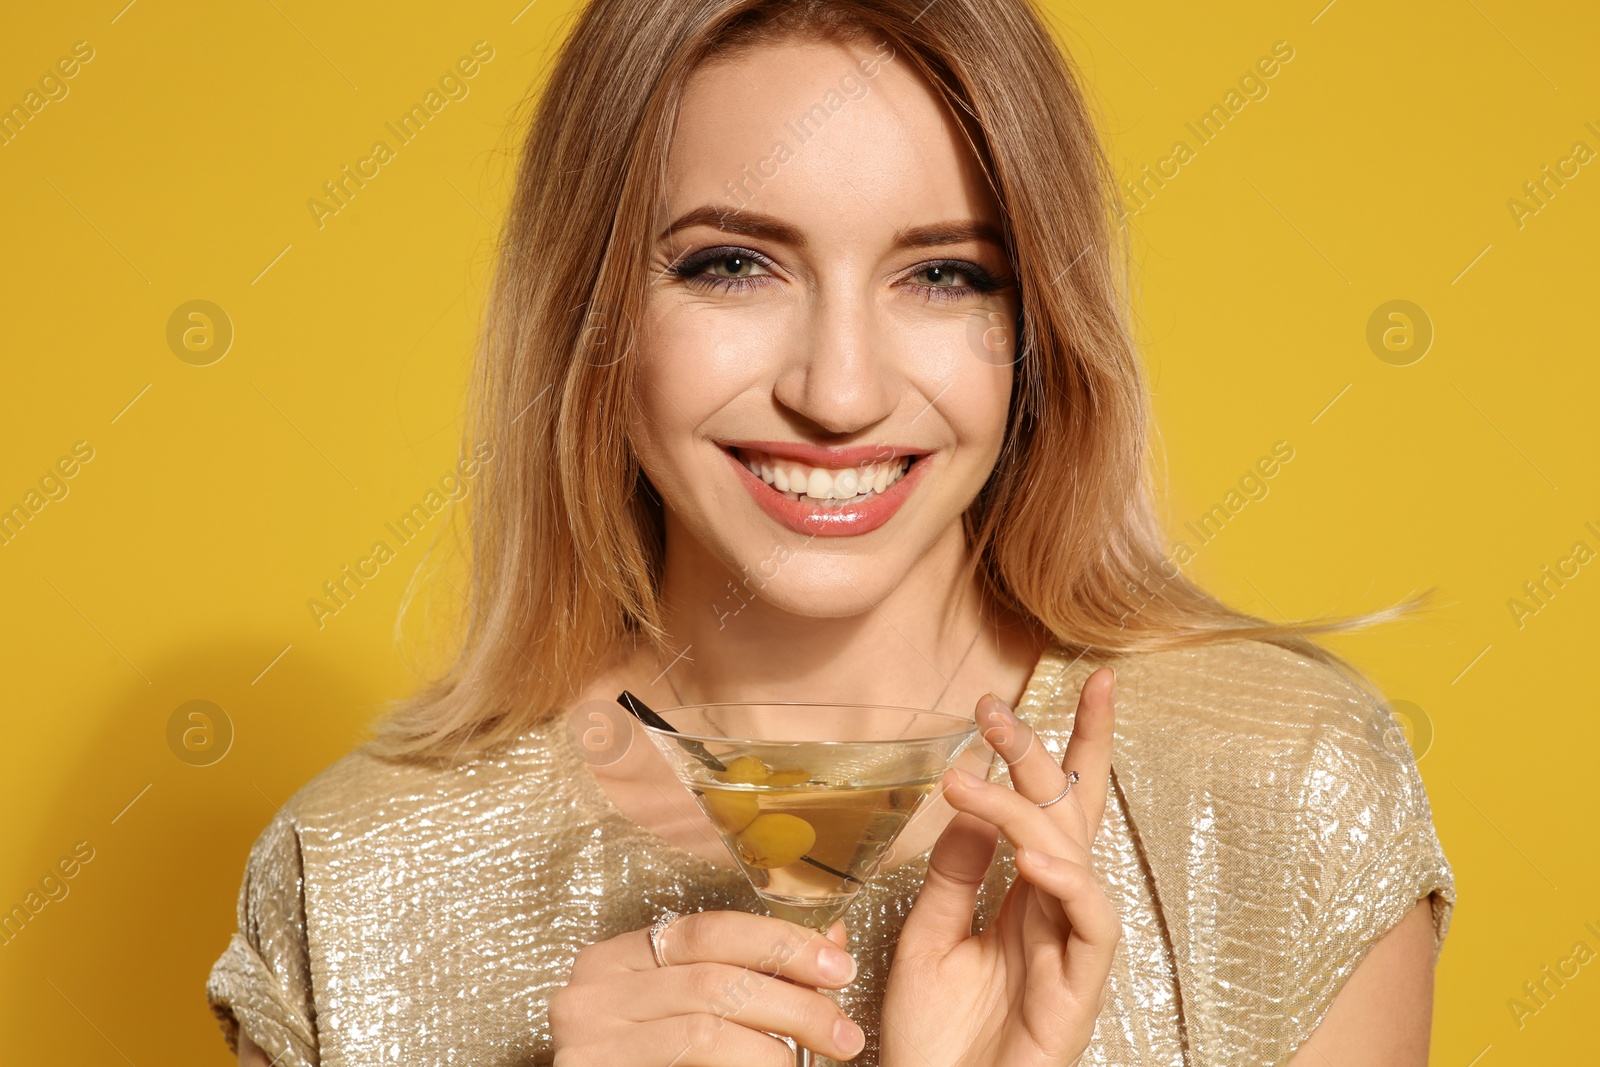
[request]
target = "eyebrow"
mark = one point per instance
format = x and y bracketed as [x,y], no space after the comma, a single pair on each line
[771,228]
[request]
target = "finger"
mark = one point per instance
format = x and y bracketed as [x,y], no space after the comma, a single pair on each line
[1094,927]
[1024,823]
[1089,747]
[1035,772]
[763,943]
[700,1040]
[743,997]
[941,916]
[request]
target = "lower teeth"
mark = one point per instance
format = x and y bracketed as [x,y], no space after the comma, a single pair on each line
[831,502]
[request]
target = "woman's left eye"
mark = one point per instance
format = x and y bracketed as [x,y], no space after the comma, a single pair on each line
[952,280]
[940,275]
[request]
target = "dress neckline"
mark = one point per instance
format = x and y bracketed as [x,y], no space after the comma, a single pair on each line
[614,820]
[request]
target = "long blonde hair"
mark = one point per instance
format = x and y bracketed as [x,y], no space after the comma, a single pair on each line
[566,533]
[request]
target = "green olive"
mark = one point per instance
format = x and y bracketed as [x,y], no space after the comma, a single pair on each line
[776,840]
[746,770]
[731,811]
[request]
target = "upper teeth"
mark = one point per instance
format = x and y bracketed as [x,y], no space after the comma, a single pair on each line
[823,483]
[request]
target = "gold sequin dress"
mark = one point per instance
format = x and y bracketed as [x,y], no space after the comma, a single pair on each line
[1266,825]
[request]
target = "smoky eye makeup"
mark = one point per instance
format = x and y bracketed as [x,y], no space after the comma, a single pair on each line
[979,281]
[695,269]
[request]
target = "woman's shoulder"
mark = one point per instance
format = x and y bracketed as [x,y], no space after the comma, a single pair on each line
[1284,823]
[1231,701]
[1258,739]
[1251,688]
[365,805]
[367,792]
[366,861]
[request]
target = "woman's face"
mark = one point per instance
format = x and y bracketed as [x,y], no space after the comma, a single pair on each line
[829,275]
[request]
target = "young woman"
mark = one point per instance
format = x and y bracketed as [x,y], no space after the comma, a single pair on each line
[807,377]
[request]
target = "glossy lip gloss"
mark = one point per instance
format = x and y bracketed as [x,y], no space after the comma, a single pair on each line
[837,520]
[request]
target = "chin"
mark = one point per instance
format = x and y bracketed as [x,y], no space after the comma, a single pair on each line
[820,578]
[829,597]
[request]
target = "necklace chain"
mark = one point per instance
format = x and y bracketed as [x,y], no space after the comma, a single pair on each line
[666,672]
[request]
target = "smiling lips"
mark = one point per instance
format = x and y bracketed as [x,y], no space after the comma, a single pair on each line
[829,492]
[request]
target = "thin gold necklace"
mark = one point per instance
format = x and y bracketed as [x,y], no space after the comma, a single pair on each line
[666,672]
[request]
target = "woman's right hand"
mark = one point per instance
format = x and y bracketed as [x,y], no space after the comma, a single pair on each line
[729,976]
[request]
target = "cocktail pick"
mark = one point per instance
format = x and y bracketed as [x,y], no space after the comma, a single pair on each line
[645,714]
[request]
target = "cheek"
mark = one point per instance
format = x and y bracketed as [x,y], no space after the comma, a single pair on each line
[964,366]
[990,376]
[687,347]
[976,409]
[693,362]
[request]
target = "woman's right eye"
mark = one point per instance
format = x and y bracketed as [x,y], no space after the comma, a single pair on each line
[722,268]
[734,264]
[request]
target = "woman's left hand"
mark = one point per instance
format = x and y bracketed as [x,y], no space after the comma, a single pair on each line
[1027,990]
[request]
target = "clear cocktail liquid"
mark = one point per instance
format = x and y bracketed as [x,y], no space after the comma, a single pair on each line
[806,840]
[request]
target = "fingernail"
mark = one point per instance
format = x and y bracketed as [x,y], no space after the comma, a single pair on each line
[1002,710]
[849,1036]
[836,966]
[1033,856]
[967,778]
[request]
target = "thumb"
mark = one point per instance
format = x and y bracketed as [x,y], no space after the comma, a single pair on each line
[941,918]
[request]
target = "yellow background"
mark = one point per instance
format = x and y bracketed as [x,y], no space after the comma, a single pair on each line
[178,567]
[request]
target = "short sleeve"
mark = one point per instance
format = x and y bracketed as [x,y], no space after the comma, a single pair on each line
[262,981]
[1368,851]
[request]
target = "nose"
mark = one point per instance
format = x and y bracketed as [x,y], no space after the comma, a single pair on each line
[839,374]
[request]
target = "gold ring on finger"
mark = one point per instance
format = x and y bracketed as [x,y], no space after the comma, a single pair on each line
[1072,776]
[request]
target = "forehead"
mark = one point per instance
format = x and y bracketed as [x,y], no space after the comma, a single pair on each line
[802,130]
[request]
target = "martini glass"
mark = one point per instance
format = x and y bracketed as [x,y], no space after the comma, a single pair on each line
[807,797]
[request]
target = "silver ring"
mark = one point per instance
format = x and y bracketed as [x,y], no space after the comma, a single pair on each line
[656,929]
[1072,776]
